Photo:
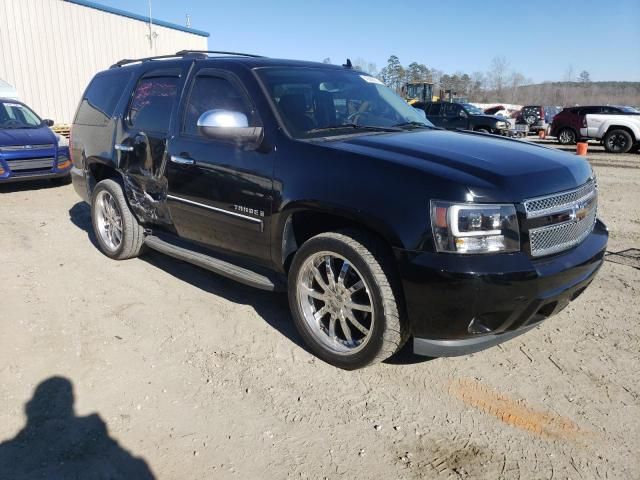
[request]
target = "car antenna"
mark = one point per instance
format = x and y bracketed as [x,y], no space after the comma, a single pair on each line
[348,64]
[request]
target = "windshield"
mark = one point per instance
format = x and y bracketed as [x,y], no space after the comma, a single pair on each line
[628,109]
[15,115]
[321,102]
[472,109]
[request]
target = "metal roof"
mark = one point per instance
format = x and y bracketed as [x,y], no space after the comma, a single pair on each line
[134,16]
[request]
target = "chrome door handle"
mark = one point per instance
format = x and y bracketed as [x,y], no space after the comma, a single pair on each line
[182,160]
[123,148]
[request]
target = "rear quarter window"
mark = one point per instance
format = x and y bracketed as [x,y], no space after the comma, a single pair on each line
[101,98]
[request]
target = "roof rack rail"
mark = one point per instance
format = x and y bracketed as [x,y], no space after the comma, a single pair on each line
[181,54]
[187,52]
[127,61]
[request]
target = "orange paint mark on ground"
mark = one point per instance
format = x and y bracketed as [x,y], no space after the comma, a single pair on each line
[515,412]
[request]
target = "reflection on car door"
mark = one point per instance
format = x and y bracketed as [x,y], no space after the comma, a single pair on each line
[219,193]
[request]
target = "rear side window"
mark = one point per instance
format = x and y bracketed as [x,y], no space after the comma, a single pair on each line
[590,110]
[101,98]
[452,110]
[434,109]
[152,103]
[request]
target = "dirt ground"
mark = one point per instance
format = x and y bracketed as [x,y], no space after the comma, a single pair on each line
[179,374]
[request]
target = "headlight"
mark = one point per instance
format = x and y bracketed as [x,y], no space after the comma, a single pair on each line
[501,125]
[474,228]
[62,141]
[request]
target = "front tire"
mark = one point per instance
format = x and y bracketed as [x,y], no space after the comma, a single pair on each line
[119,234]
[618,141]
[345,299]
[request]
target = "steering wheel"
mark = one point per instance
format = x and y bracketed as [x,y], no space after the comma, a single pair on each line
[11,121]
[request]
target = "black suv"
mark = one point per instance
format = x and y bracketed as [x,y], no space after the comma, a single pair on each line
[319,180]
[464,116]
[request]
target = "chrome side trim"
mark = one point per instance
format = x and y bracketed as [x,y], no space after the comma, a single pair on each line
[123,148]
[215,209]
[182,160]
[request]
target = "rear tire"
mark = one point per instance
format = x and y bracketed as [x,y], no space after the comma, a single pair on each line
[566,136]
[618,141]
[119,234]
[349,314]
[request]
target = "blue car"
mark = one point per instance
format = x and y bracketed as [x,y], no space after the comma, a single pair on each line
[29,149]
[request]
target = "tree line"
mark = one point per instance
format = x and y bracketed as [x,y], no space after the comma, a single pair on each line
[502,84]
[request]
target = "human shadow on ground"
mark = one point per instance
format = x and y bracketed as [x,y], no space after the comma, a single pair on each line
[57,444]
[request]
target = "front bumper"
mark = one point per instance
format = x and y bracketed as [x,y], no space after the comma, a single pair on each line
[56,159]
[461,304]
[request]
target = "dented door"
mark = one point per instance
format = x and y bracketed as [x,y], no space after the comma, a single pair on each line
[141,142]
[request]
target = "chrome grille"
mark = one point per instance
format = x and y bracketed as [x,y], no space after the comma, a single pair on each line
[25,148]
[560,202]
[579,205]
[561,236]
[30,164]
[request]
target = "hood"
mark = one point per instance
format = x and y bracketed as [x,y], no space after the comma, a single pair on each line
[489,167]
[27,136]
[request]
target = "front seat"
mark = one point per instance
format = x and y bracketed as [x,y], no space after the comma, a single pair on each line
[294,108]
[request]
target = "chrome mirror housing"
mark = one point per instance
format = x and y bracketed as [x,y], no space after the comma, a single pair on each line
[227,125]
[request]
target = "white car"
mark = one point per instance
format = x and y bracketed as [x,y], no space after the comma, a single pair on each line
[618,133]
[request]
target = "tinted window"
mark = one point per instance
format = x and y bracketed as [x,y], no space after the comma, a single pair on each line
[452,110]
[435,109]
[213,93]
[152,103]
[589,110]
[101,98]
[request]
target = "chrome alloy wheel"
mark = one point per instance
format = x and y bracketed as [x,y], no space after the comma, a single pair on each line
[108,220]
[566,137]
[335,302]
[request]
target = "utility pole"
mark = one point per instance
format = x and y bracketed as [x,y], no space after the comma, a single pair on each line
[152,35]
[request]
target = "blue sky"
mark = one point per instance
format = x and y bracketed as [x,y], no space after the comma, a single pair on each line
[542,38]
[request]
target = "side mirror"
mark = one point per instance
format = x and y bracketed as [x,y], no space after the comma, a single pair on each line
[227,125]
[463,114]
[422,113]
[47,122]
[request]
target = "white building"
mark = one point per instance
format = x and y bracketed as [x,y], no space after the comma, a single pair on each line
[50,49]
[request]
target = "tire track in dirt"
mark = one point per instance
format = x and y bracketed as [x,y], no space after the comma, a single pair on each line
[516,413]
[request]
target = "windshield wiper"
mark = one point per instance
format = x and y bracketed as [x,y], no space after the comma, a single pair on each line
[412,124]
[372,128]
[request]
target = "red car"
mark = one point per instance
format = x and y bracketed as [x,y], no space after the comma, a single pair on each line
[567,124]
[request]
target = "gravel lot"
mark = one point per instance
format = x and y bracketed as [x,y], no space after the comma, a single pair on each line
[196,377]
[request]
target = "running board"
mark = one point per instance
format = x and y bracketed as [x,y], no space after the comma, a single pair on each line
[215,265]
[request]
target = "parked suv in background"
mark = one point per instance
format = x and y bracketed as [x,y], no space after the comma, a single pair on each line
[567,124]
[463,116]
[534,116]
[319,180]
[29,150]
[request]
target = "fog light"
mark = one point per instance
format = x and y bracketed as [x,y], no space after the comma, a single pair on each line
[64,164]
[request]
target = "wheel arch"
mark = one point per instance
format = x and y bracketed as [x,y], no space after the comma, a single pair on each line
[300,222]
[634,136]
